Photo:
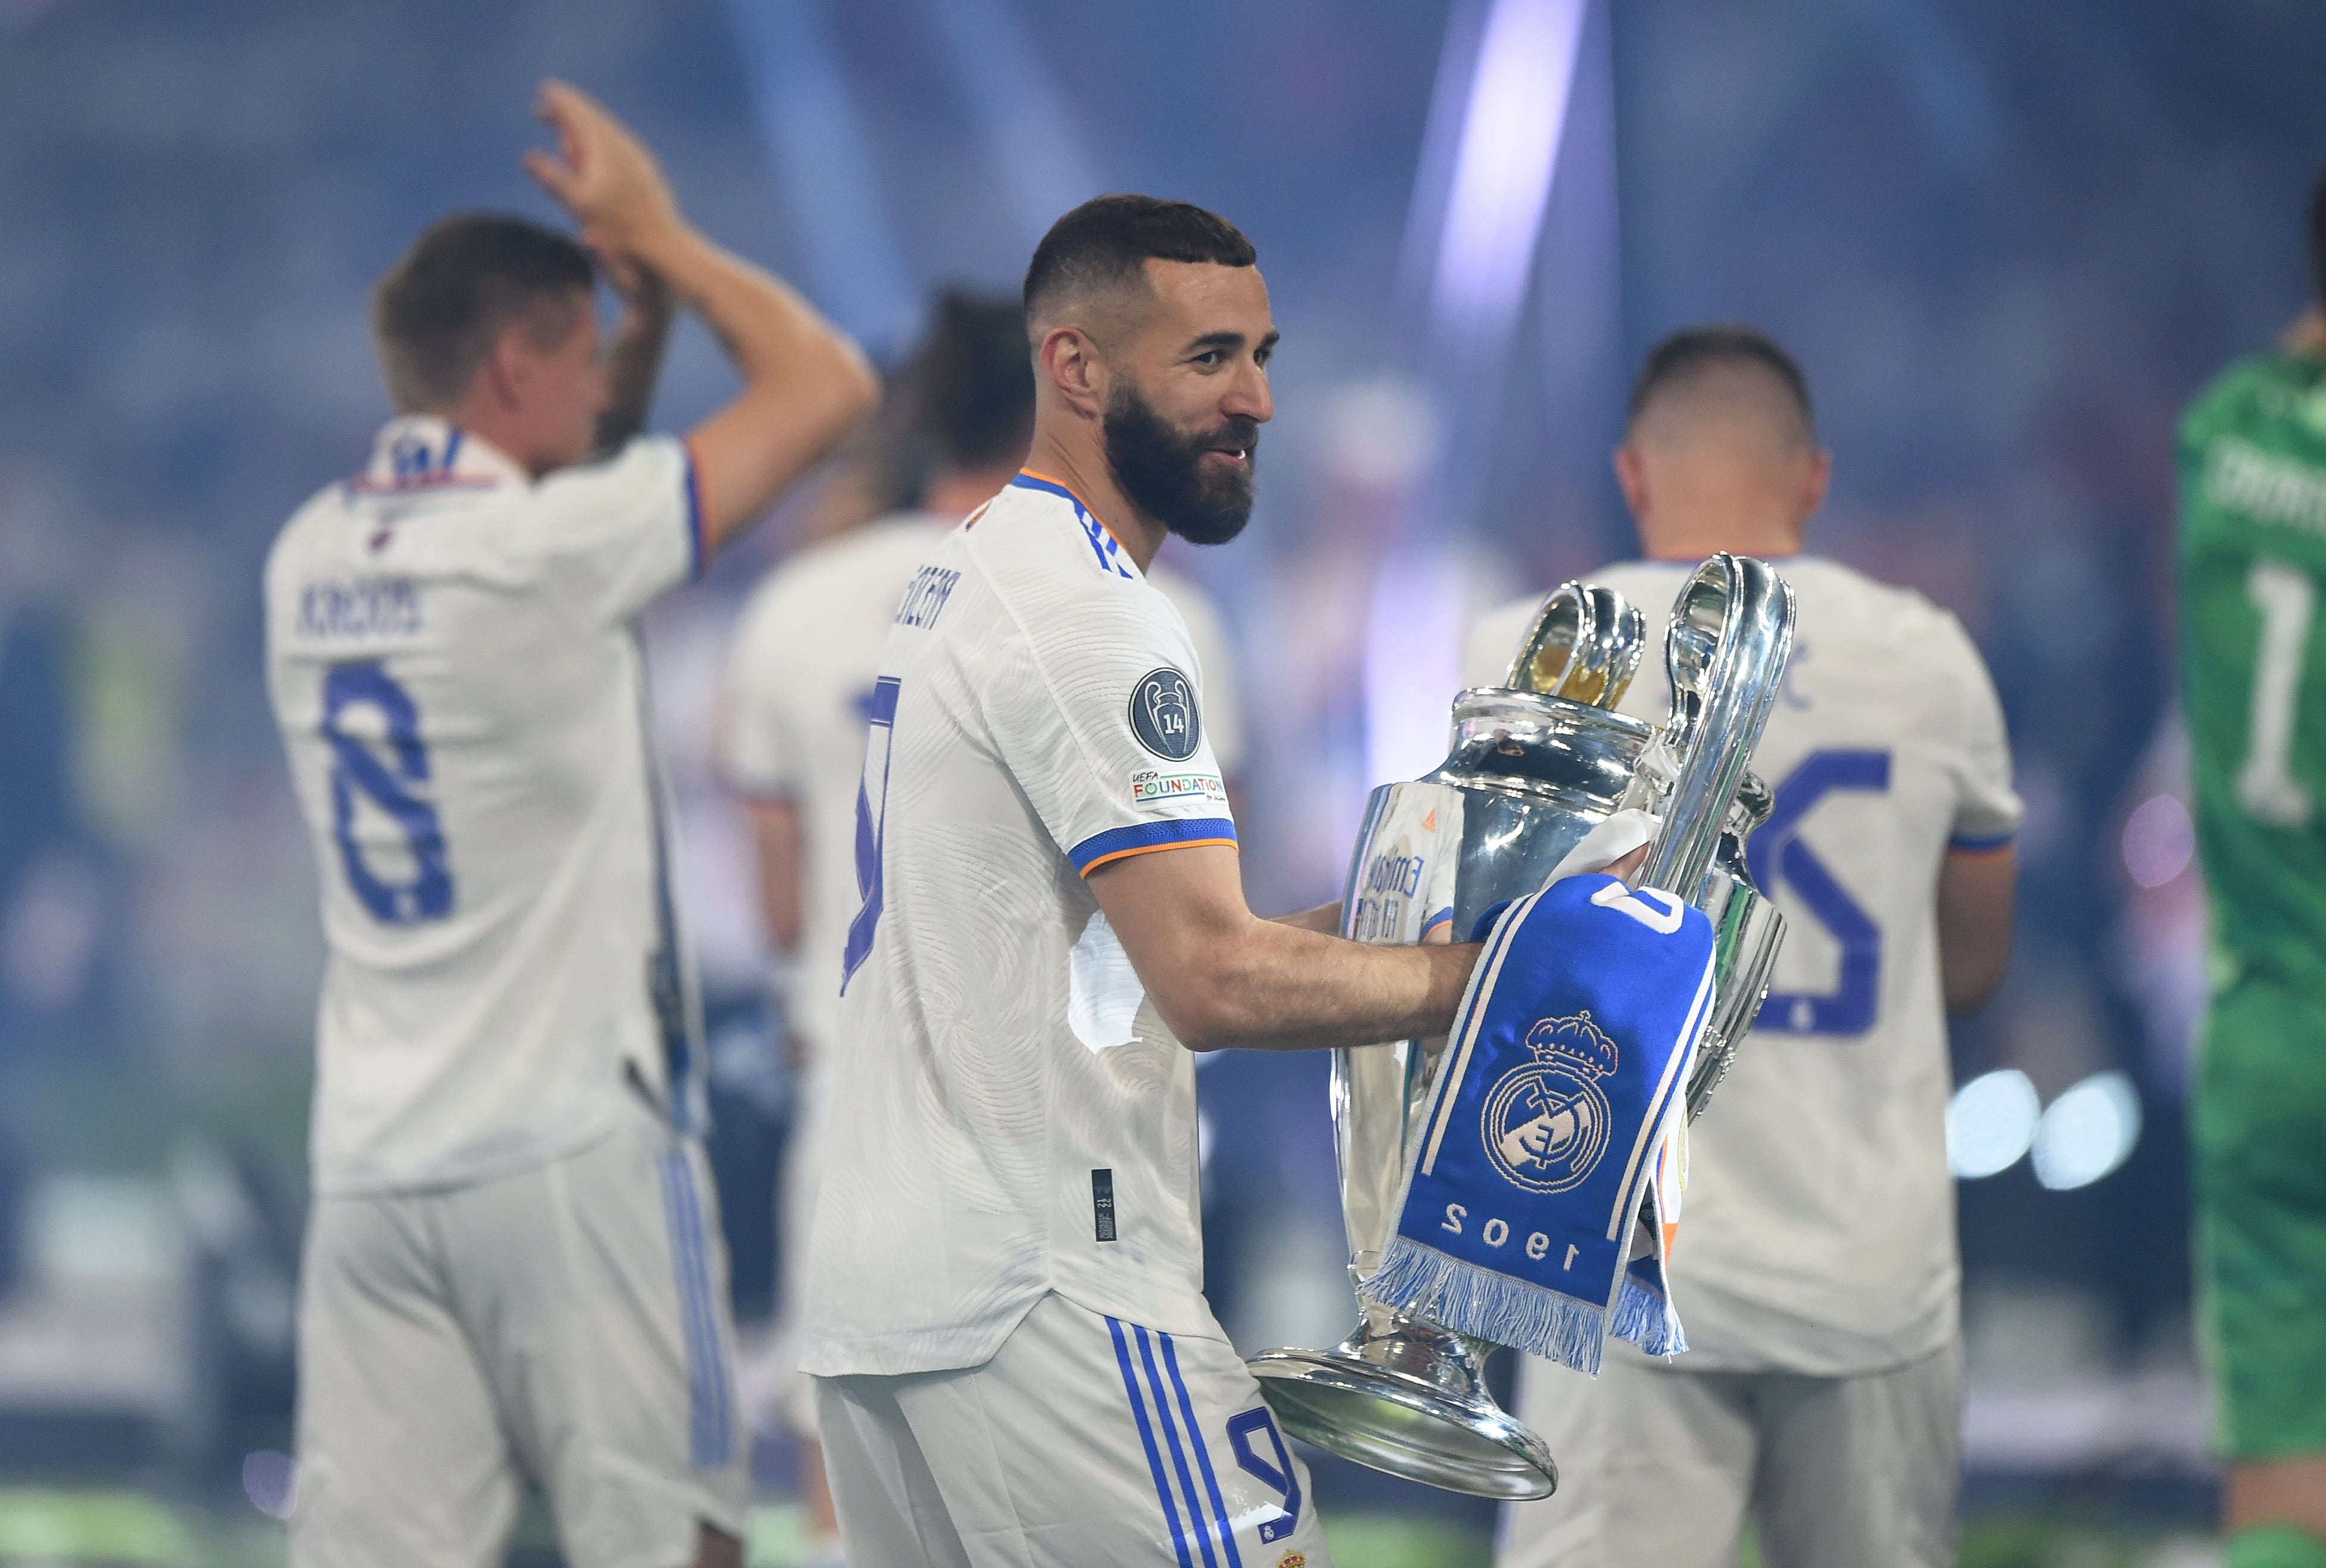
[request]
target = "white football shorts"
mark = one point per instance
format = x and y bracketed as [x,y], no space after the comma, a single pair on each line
[775,1389]
[1085,1442]
[569,1322]
[1660,1466]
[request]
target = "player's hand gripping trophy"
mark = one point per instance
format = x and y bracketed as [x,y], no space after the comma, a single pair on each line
[1535,765]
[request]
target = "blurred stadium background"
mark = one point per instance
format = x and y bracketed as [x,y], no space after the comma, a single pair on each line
[2006,241]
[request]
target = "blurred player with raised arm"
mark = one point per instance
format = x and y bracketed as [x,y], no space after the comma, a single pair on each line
[2253,681]
[1821,1394]
[1005,1311]
[805,658]
[511,1266]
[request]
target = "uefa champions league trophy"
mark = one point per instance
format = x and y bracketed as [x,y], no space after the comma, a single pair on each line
[1535,765]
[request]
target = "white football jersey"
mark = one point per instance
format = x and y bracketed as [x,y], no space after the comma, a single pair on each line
[1821,1230]
[799,688]
[1014,1117]
[451,658]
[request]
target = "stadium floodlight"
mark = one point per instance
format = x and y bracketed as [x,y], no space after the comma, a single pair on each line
[2088,1132]
[1990,1122]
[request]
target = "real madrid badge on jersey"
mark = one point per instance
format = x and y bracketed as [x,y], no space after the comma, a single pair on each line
[1563,1111]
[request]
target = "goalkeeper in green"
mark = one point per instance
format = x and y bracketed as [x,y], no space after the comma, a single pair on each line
[2252,558]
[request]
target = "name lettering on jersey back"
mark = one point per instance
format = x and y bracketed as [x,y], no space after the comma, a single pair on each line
[365,607]
[2274,489]
[924,601]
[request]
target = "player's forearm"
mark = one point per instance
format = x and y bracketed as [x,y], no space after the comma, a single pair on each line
[772,334]
[1281,988]
[779,849]
[805,384]
[1323,917]
[635,366]
[1975,905]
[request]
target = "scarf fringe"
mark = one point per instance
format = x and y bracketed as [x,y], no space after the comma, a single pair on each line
[1492,1306]
[1647,1320]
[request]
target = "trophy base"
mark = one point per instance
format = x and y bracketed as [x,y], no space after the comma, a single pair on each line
[1442,1430]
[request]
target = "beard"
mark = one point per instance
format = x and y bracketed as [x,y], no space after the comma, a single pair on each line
[1165,473]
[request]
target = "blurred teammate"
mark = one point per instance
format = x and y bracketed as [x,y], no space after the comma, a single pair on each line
[1004,1305]
[510,1264]
[1817,1270]
[805,659]
[2253,679]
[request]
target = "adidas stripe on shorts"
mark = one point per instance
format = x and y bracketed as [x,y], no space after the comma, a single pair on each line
[1085,1441]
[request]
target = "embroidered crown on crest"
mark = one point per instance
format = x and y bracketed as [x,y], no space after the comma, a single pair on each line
[1575,1043]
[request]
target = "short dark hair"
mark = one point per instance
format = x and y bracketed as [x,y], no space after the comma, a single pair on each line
[1687,355]
[2318,239]
[466,281]
[1107,241]
[972,383]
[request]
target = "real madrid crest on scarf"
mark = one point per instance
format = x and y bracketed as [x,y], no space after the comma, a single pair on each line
[1550,1121]
[1546,1119]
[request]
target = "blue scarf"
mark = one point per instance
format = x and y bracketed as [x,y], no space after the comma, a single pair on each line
[1558,1100]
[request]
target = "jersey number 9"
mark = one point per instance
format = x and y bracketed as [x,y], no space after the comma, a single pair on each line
[871,825]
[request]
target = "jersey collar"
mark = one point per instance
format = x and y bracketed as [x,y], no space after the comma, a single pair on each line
[419,451]
[1108,549]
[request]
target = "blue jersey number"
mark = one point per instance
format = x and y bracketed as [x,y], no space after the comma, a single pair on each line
[389,781]
[1273,1468]
[871,823]
[1778,857]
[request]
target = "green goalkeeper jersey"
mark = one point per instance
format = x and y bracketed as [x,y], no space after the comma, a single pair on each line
[2253,662]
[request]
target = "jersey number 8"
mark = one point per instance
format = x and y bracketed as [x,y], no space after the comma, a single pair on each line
[351,692]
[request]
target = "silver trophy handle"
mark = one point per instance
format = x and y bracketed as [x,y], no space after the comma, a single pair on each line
[1534,767]
[1731,632]
[1586,645]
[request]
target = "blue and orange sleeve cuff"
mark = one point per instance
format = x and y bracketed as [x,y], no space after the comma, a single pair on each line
[1146,837]
[1981,843]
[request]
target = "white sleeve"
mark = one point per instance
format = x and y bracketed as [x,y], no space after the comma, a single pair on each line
[1216,672]
[613,535]
[1989,810]
[760,750]
[1098,717]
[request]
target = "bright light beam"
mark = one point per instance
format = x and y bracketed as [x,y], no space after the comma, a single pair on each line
[1039,152]
[1511,128]
[1513,111]
[809,118]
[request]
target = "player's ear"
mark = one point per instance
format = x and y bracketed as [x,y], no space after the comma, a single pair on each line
[1072,366]
[1815,480]
[1632,474]
[509,367]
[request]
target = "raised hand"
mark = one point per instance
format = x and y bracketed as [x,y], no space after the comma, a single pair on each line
[602,174]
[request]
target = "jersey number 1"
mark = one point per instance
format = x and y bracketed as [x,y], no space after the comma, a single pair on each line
[2266,787]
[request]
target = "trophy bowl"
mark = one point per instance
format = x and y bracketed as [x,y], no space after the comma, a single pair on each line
[1533,766]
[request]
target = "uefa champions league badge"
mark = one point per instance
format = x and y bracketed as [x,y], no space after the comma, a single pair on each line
[1546,1121]
[1163,715]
